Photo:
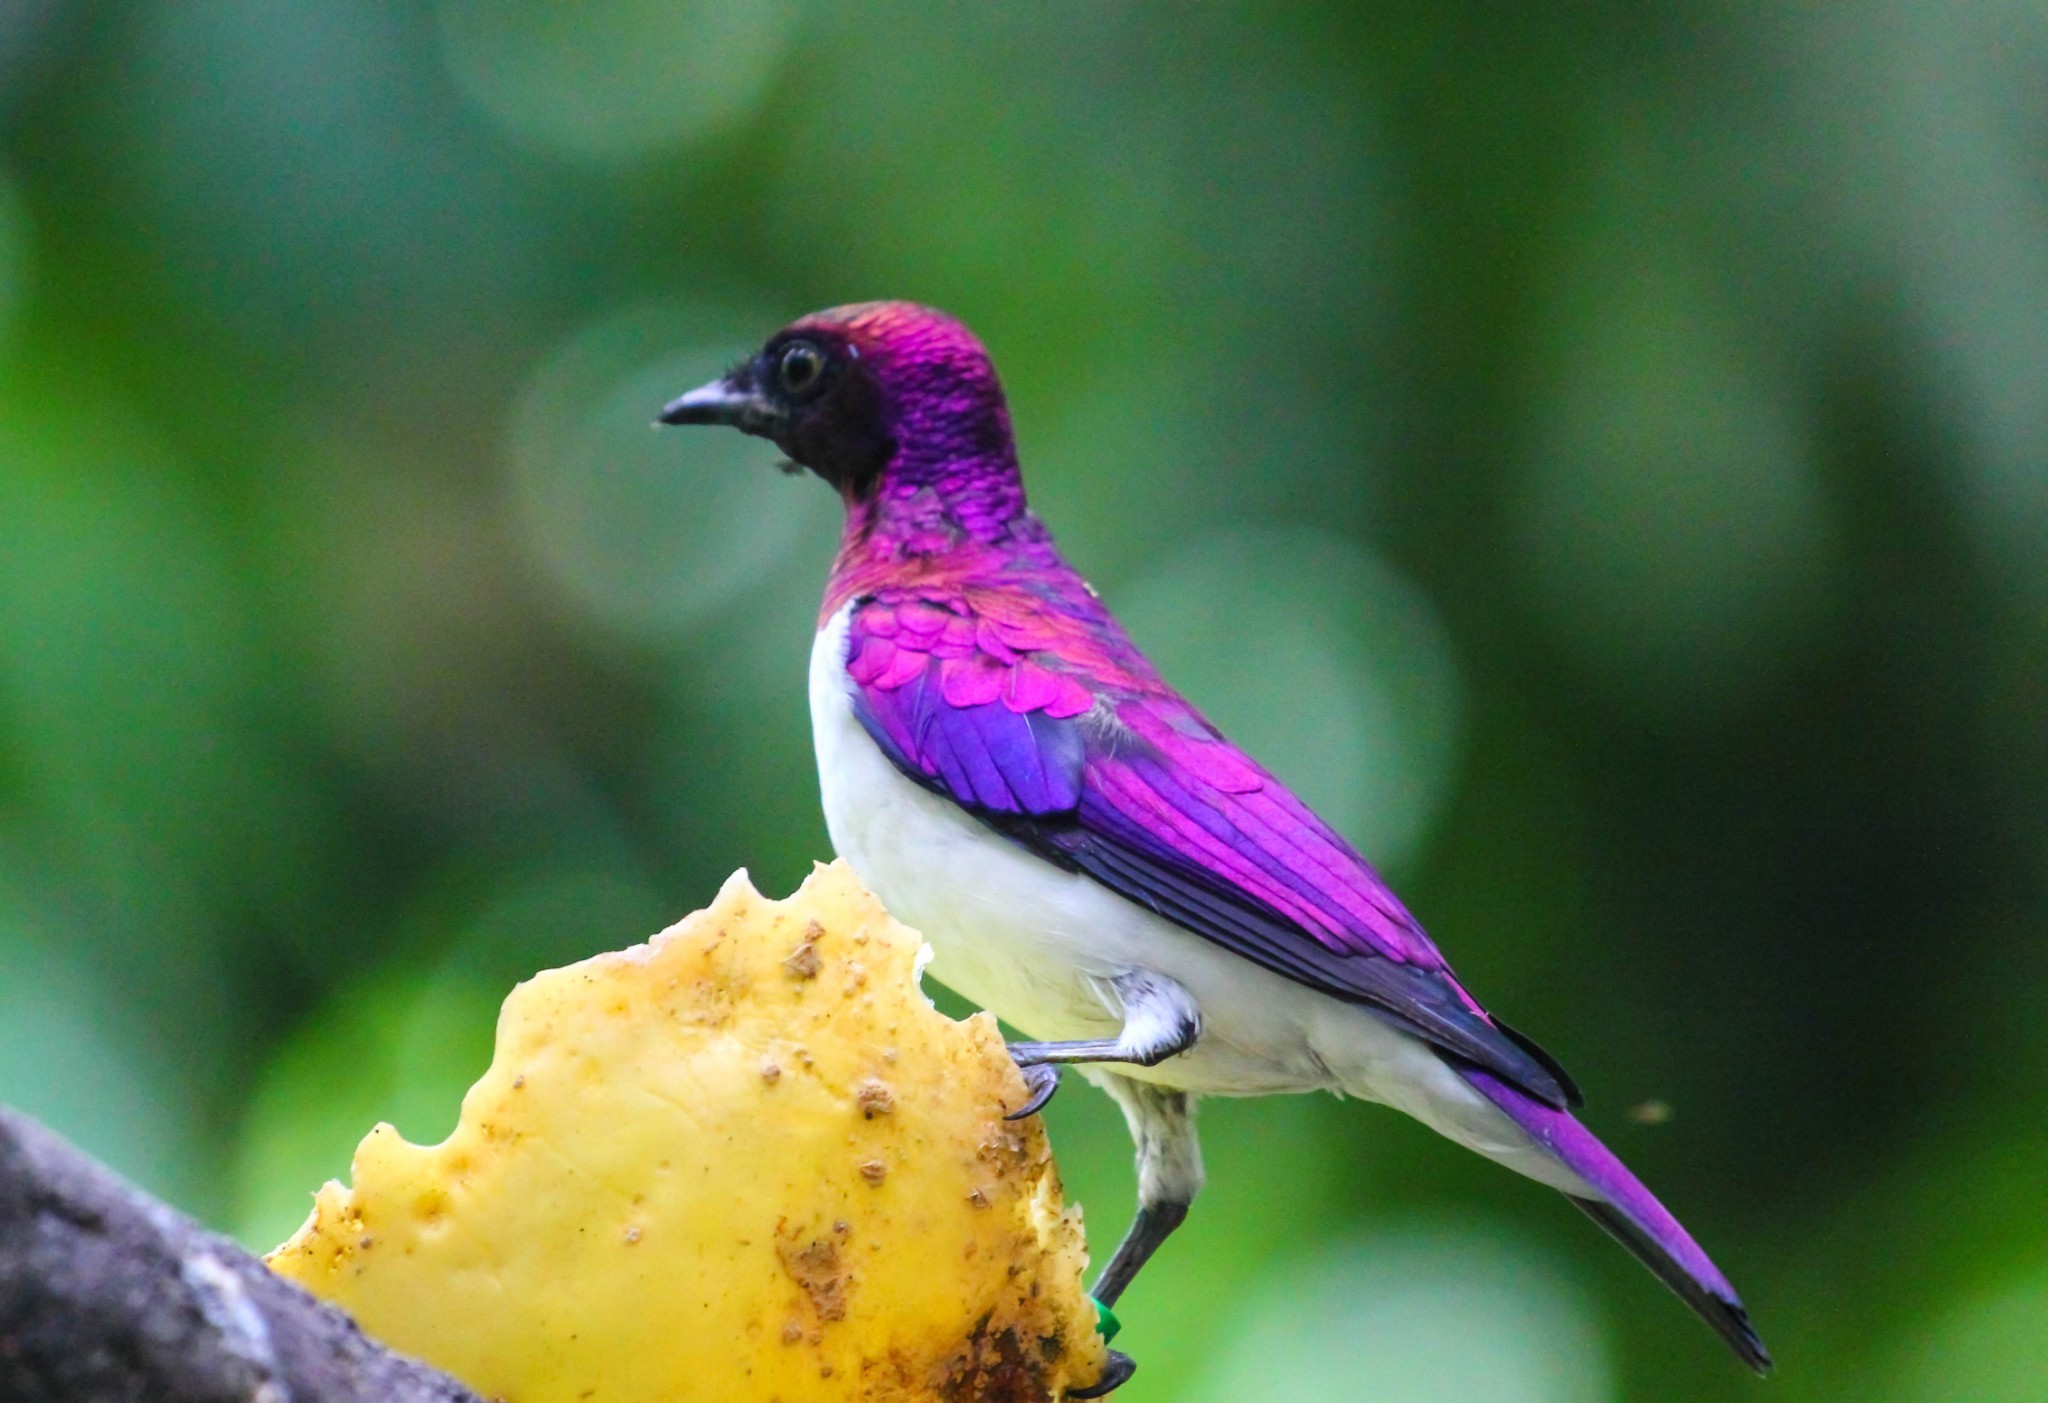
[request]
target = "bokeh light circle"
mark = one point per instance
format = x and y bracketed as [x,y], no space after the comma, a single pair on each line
[650,531]
[1415,1315]
[1322,662]
[300,174]
[615,80]
[1669,515]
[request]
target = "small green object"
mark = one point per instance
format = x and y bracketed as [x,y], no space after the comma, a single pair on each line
[1106,1323]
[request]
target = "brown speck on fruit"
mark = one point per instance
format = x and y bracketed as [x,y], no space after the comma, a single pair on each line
[978,1198]
[875,1098]
[519,1081]
[874,1171]
[824,1371]
[814,1266]
[632,1236]
[771,1070]
[792,1332]
[998,1363]
[803,962]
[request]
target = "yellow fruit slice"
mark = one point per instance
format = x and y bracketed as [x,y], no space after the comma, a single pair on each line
[747,1160]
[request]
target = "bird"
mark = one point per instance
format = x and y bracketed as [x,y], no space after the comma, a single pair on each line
[1086,855]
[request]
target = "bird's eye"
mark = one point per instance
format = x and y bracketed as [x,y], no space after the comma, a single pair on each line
[803,365]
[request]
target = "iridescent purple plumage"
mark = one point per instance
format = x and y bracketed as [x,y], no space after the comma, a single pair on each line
[987,672]
[1023,702]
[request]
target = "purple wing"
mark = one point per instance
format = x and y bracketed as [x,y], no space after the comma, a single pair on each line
[961,711]
[1033,712]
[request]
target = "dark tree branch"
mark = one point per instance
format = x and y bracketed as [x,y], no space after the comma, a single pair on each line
[106,1293]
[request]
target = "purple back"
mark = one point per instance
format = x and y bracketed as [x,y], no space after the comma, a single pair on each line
[993,676]
[988,671]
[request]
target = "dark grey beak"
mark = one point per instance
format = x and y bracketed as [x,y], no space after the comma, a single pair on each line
[729,401]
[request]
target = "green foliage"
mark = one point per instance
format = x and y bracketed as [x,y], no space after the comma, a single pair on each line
[1623,427]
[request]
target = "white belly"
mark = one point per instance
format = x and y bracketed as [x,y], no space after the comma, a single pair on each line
[1038,947]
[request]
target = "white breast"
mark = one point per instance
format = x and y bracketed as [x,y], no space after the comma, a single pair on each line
[1038,947]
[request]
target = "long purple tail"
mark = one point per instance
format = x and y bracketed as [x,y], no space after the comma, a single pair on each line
[1636,1220]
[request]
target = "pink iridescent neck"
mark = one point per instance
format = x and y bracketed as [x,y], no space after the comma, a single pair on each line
[923,537]
[949,503]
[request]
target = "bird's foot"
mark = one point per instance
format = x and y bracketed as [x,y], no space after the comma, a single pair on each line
[1116,1372]
[1041,1079]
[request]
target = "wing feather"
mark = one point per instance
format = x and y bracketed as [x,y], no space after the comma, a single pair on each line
[1037,716]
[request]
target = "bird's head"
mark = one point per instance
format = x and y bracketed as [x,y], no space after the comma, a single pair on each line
[870,396]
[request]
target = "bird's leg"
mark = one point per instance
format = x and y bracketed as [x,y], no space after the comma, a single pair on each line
[1169,1175]
[1041,1080]
[1162,1123]
[1160,1020]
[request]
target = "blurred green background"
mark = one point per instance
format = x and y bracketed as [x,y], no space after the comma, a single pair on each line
[1599,452]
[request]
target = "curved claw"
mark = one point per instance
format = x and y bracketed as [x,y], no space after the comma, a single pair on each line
[1042,1079]
[1116,1372]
